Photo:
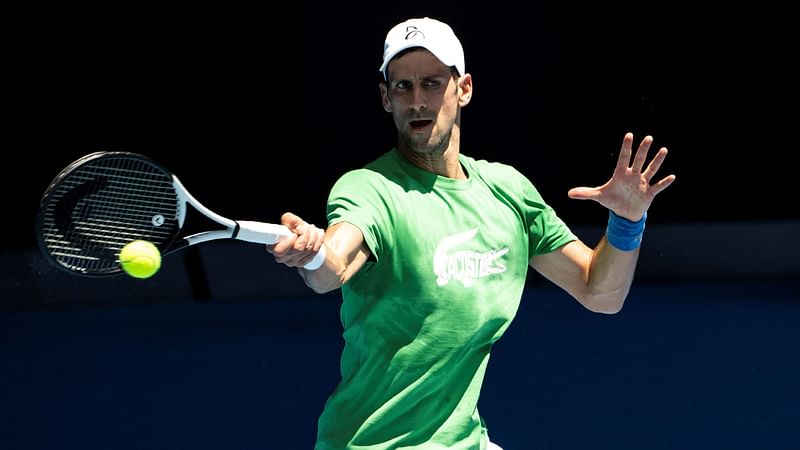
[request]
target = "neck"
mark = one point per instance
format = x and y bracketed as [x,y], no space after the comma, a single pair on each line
[441,161]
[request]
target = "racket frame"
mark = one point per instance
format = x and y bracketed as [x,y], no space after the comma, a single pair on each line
[248,231]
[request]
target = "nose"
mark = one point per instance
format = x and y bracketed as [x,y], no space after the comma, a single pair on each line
[418,102]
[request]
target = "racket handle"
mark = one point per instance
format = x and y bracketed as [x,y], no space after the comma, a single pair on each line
[260,232]
[271,233]
[319,258]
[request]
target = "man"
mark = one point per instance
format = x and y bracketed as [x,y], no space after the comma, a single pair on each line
[431,249]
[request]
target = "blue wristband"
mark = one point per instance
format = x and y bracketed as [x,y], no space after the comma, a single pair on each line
[624,234]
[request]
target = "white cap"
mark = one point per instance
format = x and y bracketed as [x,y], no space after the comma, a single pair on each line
[435,36]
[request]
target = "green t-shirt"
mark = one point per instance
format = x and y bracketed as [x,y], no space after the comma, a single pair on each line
[448,267]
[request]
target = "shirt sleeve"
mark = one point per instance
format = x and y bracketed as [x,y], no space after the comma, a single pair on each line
[546,231]
[356,198]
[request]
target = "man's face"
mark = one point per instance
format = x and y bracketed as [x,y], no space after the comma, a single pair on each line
[423,97]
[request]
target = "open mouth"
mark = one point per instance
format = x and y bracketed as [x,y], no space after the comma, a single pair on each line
[419,124]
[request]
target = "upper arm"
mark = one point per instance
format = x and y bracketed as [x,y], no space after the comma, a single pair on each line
[567,267]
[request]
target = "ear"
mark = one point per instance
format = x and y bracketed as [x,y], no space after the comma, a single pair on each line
[387,105]
[464,90]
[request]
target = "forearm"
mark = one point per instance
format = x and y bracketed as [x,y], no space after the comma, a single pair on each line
[333,273]
[613,264]
[609,278]
[345,254]
[344,249]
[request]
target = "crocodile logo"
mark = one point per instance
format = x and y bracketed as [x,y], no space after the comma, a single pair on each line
[465,265]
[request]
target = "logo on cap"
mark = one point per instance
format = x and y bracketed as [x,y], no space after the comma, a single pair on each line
[412,32]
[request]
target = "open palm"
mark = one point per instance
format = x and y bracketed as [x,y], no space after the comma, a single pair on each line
[629,193]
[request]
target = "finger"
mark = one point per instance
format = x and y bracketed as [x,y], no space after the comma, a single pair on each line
[641,154]
[319,238]
[625,153]
[281,257]
[661,185]
[300,259]
[583,193]
[292,221]
[301,244]
[285,244]
[655,164]
[309,237]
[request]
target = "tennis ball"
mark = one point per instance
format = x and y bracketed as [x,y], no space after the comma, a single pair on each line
[140,259]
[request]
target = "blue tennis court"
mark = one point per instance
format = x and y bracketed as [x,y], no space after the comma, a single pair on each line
[686,365]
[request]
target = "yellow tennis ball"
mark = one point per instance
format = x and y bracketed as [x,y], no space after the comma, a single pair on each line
[140,259]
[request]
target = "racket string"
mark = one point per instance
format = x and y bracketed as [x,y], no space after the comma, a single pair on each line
[104,204]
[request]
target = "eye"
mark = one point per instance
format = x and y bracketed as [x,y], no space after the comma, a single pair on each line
[432,83]
[402,85]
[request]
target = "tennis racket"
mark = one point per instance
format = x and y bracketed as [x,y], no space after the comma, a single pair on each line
[105,200]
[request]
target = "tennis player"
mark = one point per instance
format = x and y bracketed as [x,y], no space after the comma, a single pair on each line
[431,248]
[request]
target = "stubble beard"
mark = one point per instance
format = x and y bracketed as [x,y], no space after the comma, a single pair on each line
[429,146]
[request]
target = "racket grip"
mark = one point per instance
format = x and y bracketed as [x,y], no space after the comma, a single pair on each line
[260,232]
[318,260]
[271,233]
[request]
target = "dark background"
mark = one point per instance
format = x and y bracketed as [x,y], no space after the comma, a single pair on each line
[259,108]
